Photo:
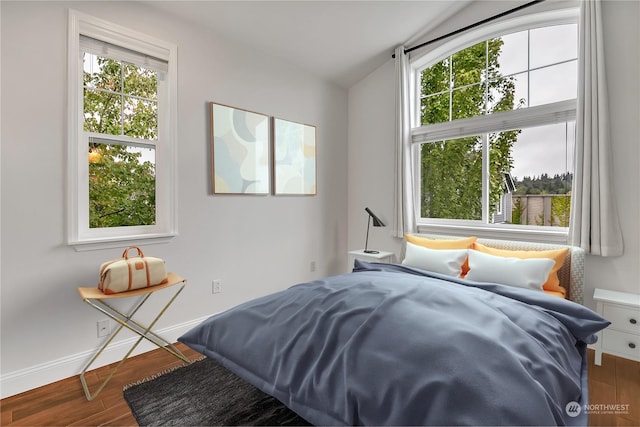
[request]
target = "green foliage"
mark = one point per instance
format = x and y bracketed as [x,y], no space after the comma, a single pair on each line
[561,210]
[517,212]
[121,188]
[446,198]
[544,184]
[120,99]
[456,88]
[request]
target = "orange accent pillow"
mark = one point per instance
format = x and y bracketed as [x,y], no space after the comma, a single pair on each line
[558,255]
[464,243]
[555,294]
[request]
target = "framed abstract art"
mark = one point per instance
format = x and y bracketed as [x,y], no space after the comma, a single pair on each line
[294,158]
[240,151]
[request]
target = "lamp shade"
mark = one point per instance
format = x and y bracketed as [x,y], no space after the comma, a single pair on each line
[377,222]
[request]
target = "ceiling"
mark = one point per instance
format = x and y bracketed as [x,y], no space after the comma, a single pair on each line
[340,41]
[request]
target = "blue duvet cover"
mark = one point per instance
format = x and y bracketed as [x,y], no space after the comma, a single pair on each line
[392,345]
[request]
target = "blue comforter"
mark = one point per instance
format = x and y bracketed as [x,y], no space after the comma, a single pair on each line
[392,345]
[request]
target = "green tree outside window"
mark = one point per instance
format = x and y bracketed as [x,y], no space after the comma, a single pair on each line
[466,84]
[120,99]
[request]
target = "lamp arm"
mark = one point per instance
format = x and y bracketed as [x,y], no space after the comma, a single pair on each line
[366,242]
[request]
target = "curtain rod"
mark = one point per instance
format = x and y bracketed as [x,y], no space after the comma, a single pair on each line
[468,27]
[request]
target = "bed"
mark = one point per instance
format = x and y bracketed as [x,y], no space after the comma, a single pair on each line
[394,344]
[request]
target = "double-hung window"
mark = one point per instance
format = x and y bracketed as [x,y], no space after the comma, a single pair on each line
[122,134]
[493,127]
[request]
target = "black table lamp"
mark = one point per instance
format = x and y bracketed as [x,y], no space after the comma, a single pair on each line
[376,223]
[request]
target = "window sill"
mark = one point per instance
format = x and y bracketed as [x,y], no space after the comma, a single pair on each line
[500,231]
[120,242]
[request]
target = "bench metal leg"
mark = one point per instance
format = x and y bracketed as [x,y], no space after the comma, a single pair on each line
[127,321]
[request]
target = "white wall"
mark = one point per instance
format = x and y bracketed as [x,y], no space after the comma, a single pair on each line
[254,244]
[371,158]
[371,153]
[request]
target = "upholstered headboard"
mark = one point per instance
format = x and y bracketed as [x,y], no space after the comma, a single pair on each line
[571,274]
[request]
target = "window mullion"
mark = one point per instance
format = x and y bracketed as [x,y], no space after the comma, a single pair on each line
[121,98]
[451,88]
[528,68]
[502,121]
[486,172]
[486,78]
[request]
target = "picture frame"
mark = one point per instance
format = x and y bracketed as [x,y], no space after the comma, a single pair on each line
[240,151]
[294,158]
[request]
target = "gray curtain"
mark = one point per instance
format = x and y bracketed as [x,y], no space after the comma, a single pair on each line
[404,216]
[594,217]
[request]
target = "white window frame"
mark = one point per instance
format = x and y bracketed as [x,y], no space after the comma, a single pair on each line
[79,234]
[506,120]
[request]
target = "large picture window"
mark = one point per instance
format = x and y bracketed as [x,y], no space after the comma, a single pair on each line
[494,128]
[122,134]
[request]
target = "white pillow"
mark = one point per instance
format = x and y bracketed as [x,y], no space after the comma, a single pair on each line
[444,261]
[528,273]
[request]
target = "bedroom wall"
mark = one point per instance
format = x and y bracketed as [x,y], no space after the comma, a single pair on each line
[254,244]
[371,145]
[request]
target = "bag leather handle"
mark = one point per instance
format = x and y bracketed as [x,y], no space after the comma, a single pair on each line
[125,254]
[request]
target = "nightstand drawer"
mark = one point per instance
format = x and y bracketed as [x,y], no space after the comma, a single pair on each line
[622,318]
[622,337]
[621,342]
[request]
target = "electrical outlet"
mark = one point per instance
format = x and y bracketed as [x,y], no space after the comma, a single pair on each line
[312,266]
[103,328]
[216,287]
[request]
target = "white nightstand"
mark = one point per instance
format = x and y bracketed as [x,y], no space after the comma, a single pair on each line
[360,254]
[622,337]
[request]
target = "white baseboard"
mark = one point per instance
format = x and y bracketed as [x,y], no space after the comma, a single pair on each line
[55,370]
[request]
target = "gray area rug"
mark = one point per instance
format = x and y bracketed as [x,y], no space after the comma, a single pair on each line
[205,394]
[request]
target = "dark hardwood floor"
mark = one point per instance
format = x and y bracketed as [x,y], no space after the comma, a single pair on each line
[64,403]
[617,381]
